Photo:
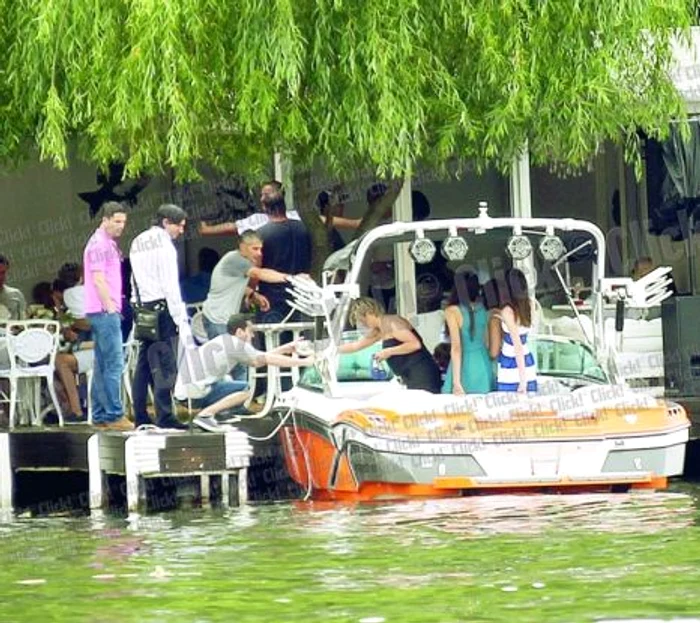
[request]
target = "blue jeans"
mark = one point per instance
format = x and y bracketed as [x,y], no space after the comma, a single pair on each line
[219,390]
[105,390]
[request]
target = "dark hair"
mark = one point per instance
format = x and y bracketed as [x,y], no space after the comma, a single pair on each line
[323,200]
[274,206]
[517,297]
[238,321]
[442,356]
[491,292]
[110,208]
[466,291]
[276,185]
[70,273]
[376,192]
[171,213]
[59,285]
[420,206]
[325,197]
[4,260]
[207,258]
[42,294]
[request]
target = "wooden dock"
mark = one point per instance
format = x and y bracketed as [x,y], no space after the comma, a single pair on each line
[218,461]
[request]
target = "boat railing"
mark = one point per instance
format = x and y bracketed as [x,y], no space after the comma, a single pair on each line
[272,333]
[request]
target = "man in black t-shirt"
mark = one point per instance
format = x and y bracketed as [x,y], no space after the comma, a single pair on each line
[286,248]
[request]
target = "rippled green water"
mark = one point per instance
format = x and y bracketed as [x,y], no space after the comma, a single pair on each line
[505,558]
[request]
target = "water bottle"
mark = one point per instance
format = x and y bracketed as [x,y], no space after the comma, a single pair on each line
[378,371]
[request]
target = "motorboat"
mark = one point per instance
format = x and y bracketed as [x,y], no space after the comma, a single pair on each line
[349,433]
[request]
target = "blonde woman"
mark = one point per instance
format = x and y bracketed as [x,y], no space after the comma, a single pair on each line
[402,347]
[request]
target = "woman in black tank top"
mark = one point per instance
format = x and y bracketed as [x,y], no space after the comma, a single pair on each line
[402,347]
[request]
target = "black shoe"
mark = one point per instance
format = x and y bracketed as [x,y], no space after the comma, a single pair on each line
[73,418]
[171,423]
[142,421]
[51,419]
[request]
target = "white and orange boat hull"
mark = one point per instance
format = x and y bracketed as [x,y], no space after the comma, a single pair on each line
[369,453]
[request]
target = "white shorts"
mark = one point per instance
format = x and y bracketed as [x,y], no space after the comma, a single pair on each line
[85,359]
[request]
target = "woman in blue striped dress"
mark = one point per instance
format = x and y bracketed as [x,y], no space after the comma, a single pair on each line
[516,364]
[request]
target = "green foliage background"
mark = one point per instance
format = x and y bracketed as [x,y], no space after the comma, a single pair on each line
[378,83]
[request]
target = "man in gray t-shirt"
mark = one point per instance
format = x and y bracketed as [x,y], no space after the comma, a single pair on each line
[202,372]
[229,283]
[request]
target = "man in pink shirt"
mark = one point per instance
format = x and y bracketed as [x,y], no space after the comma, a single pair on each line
[103,302]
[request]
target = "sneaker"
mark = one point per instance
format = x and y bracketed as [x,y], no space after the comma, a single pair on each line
[73,418]
[171,423]
[226,418]
[121,424]
[208,423]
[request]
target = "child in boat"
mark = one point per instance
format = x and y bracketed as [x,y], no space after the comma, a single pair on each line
[470,369]
[516,364]
[402,347]
[441,354]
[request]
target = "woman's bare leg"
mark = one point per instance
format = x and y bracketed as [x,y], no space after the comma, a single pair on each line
[67,372]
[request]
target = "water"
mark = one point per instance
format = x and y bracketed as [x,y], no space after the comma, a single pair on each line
[482,559]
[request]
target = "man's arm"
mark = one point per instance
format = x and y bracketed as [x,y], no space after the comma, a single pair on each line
[284,361]
[22,306]
[221,229]
[340,222]
[268,275]
[103,292]
[167,257]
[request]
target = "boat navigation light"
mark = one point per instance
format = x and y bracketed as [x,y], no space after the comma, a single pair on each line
[519,247]
[551,247]
[422,249]
[483,215]
[454,248]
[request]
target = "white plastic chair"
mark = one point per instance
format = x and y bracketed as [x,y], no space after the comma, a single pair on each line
[32,346]
[131,354]
[198,331]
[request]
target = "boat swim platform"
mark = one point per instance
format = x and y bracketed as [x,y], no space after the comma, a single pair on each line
[218,461]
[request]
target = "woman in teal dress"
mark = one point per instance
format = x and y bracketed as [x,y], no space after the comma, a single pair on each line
[470,370]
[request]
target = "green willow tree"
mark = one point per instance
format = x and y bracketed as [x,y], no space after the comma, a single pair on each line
[353,83]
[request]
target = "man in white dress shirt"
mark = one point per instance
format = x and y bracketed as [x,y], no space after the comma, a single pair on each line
[156,285]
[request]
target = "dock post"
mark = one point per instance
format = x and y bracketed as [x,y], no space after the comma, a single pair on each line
[5,473]
[242,484]
[205,490]
[226,490]
[95,472]
[132,475]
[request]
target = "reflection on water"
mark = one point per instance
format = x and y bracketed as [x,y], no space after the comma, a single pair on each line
[491,558]
[533,514]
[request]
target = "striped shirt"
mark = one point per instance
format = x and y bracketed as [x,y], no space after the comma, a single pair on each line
[508,373]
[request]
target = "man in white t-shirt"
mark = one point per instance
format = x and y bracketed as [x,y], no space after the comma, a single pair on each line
[254,222]
[203,372]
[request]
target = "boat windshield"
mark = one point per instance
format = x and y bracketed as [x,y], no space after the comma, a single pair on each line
[352,367]
[559,357]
